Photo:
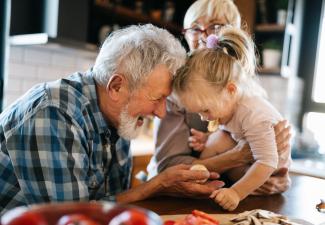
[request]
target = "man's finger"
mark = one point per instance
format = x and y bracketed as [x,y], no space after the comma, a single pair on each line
[197,190]
[181,167]
[216,184]
[194,175]
[214,175]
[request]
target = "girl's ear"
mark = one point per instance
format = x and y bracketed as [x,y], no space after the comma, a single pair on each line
[231,88]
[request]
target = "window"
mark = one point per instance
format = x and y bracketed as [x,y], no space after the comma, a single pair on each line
[315,121]
[319,81]
[313,70]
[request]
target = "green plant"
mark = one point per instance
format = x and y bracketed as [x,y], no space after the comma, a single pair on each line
[272,44]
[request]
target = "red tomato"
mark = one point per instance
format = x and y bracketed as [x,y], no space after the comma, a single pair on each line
[76,219]
[204,215]
[131,217]
[169,222]
[21,216]
[197,218]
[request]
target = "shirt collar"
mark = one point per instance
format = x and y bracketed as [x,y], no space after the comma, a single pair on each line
[102,125]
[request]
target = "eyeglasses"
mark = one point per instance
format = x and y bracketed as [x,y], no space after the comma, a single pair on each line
[197,31]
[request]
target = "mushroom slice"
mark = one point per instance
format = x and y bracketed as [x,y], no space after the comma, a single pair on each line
[245,222]
[241,216]
[264,214]
[255,221]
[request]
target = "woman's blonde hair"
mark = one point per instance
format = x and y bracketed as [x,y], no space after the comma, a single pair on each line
[214,9]
[232,59]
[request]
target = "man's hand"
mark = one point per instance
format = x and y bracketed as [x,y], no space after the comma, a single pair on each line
[180,181]
[197,140]
[279,182]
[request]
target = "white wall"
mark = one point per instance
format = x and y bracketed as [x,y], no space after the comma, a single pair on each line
[30,65]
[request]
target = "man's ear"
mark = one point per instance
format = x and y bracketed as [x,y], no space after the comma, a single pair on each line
[116,86]
[231,88]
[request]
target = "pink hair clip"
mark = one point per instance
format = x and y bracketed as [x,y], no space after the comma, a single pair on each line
[212,41]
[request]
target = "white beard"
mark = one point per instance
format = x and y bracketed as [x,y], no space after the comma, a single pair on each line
[128,128]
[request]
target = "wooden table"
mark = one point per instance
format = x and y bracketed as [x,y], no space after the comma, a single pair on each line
[298,202]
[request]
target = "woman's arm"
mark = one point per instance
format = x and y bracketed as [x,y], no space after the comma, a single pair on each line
[238,155]
[218,142]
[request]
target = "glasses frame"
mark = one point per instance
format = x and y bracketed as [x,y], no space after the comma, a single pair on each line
[200,31]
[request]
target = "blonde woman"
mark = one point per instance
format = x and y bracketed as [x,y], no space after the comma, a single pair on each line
[179,132]
[219,83]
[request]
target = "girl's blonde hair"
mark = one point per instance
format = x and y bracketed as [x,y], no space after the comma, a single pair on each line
[231,60]
[214,9]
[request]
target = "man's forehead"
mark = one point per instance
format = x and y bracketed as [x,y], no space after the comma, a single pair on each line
[159,82]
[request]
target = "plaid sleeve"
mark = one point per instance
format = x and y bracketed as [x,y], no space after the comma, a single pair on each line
[49,156]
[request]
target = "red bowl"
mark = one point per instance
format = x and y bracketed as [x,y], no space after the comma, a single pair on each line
[90,213]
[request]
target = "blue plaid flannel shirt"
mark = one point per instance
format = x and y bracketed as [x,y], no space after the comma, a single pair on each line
[56,146]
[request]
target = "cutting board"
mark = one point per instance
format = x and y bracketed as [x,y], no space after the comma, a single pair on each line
[224,219]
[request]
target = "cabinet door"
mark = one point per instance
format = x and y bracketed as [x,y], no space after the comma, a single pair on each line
[292,39]
[73,20]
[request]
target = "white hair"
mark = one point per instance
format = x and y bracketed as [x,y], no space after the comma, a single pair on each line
[128,128]
[135,51]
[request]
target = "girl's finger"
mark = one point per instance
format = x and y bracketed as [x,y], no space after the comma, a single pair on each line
[197,133]
[213,194]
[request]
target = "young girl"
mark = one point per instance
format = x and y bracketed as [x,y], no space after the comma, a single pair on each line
[220,84]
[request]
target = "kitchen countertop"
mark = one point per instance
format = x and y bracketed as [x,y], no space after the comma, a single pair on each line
[298,202]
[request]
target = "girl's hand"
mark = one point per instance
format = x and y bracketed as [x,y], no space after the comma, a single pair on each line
[227,198]
[197,140]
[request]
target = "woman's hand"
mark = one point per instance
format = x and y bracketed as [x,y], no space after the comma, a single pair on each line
[279,182]
[197,140]
[282,135]
[179,180]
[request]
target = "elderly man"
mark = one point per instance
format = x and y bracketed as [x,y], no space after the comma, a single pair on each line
[68,139]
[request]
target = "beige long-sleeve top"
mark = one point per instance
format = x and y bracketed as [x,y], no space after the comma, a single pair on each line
[253,120]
